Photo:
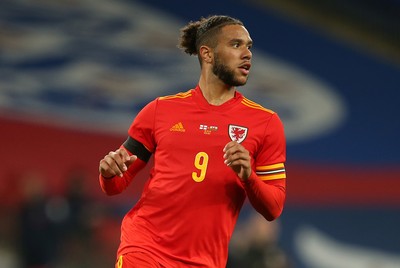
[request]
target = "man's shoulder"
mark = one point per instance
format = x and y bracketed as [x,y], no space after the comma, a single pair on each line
[256,107]
[177,96]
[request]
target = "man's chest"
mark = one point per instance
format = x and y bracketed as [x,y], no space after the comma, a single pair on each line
[206,131]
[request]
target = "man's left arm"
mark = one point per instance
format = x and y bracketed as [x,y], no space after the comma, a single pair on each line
[267,197]
[266,185]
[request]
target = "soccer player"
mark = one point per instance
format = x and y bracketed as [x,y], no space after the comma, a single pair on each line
[212,148]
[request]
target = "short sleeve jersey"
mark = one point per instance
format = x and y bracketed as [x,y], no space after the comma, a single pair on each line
[189,206]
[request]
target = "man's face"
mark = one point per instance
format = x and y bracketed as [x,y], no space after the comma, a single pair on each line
[232,56]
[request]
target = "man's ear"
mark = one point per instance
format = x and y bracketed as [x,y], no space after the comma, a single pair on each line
[206,54]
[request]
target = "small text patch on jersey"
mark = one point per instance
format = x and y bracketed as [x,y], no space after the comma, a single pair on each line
[208,129]
[237,133]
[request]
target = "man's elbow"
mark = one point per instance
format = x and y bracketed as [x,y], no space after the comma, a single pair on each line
[273,214]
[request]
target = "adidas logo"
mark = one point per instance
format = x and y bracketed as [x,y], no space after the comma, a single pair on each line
[178,127]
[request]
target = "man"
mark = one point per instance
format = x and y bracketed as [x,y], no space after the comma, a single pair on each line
[212,147]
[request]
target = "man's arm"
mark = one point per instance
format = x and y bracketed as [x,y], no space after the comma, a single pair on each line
[267,197]
[266,186]
[118,168]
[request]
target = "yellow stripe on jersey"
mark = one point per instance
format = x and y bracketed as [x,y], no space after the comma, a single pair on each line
[254,105]
[271,172]
[180,95]
[271,167]
[120,261]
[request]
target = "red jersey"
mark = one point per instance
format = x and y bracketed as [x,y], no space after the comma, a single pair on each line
[189,206]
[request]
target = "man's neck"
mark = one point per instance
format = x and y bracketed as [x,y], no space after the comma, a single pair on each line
[216,93]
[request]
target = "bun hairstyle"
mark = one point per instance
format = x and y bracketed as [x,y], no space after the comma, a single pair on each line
[203,32]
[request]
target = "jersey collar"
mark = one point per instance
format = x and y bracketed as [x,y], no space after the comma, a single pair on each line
[203,103]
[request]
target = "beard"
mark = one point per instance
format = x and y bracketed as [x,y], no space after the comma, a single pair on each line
[225,74]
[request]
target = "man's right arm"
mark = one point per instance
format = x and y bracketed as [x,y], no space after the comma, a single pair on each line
[118,168]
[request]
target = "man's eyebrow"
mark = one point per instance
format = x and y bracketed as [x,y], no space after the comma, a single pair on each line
[238,40]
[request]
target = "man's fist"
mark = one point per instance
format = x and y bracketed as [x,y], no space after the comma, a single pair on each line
[116,163]
[238,158]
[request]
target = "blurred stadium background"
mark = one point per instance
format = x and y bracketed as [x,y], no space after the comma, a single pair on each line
[73,74]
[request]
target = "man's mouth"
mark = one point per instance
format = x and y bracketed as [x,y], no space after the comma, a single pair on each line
[245,68]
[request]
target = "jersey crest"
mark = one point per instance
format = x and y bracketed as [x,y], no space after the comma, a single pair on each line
[237,133]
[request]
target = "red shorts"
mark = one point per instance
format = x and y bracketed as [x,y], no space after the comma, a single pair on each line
[136,260]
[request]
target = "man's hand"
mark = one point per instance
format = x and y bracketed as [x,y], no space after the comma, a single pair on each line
[116,163]
[238,158]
